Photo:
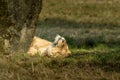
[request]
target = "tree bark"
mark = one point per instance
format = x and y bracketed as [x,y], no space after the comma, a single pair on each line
[17,24]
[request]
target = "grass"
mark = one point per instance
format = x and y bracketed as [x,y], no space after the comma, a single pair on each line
[79,66]
[92,30]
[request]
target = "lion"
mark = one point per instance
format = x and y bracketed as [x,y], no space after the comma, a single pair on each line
[53,49]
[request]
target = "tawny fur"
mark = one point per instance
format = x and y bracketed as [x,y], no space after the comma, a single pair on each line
[37,44]
[45,48]
[59,47]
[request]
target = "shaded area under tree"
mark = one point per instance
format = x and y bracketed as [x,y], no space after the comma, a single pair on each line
[17,24]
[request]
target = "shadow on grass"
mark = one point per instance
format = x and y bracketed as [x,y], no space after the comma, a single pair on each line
[90,42]
[80,39]
[55,22]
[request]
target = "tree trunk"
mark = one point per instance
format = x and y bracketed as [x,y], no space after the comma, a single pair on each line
[17,24]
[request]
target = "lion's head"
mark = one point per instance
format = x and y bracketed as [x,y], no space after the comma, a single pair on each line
[60,46]
[59,41]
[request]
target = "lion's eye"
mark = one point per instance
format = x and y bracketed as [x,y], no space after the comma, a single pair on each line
[62,41]
[59,38]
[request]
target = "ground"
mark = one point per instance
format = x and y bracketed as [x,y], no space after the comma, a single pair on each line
[92,30]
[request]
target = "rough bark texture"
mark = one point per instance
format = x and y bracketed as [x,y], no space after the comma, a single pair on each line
[17,24]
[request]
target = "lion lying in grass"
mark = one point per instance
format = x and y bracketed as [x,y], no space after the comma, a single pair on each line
[53,49]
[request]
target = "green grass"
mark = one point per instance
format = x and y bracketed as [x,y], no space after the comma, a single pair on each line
[92,31]
[85,65]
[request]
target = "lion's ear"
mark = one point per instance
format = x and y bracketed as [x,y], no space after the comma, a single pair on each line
[57,36]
